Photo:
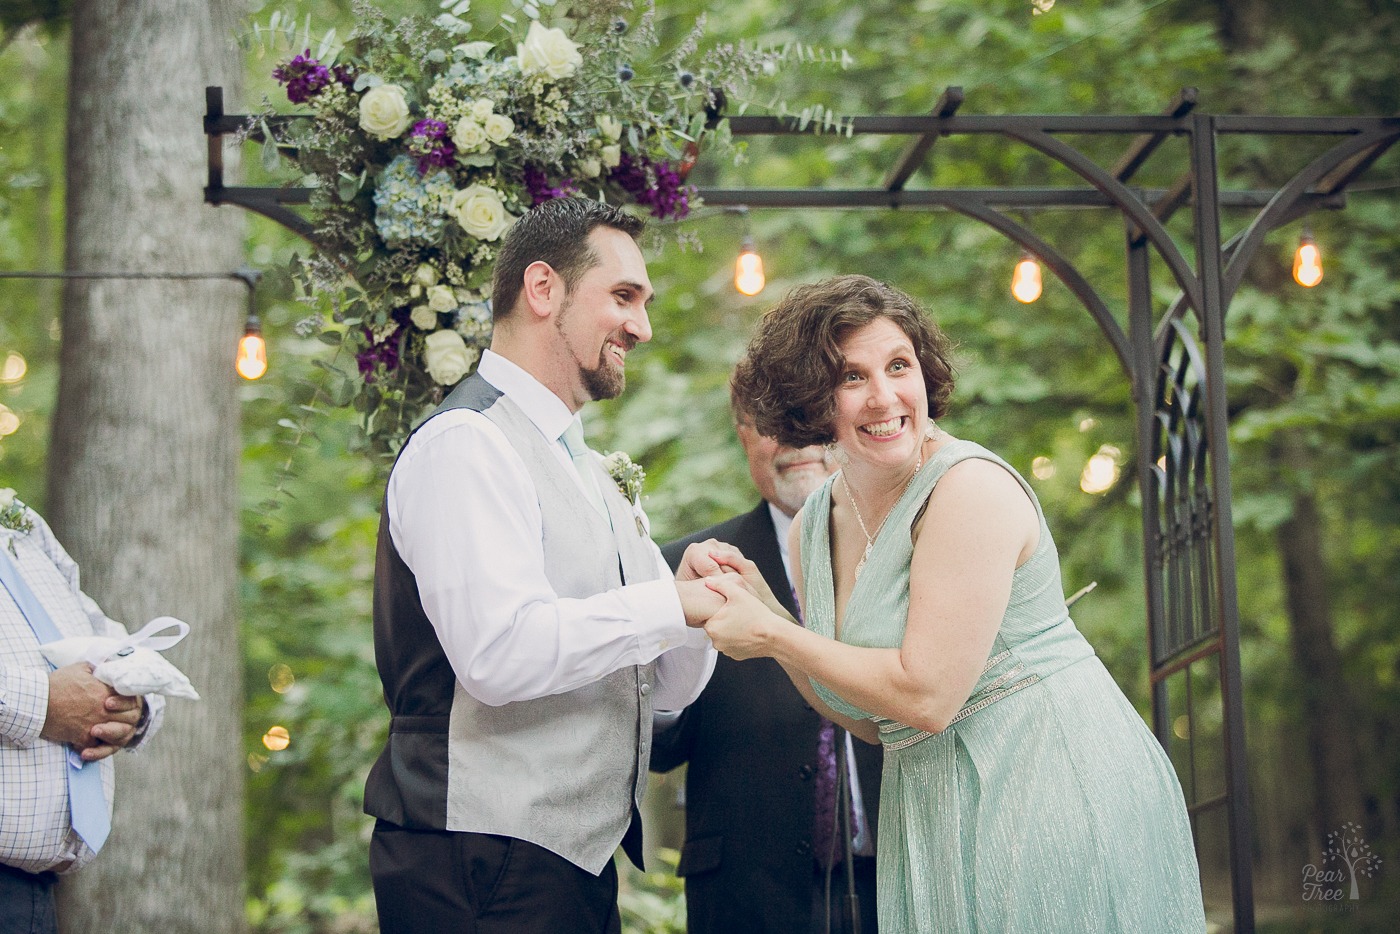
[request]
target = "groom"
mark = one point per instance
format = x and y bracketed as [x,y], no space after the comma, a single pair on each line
[525,626]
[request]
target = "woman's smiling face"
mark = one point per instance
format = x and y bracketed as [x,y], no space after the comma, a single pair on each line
[881,399]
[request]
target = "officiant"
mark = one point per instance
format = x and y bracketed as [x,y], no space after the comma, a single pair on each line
[58,726]
[526,626]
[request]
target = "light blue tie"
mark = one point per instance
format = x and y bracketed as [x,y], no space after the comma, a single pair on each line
[85,797]
[578,452]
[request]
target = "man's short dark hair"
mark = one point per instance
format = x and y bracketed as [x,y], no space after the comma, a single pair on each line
[787,380]
[554,232]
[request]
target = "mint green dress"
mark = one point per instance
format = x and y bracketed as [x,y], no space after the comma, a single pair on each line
[1047,805]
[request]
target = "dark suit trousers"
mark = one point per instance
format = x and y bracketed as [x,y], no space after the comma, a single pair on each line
[433,881]
[26,902]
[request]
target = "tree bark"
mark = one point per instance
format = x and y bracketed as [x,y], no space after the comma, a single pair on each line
[1329,716]
[144,453]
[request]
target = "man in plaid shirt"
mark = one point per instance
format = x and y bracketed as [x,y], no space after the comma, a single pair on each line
[45,713]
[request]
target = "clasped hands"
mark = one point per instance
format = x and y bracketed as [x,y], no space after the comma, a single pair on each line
[724,592]
[88,715]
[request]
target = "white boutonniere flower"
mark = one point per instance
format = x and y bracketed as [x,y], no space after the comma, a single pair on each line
[15,518]
[627,474]
[629,477]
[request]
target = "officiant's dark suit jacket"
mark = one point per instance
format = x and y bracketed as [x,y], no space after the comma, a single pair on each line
[751,741]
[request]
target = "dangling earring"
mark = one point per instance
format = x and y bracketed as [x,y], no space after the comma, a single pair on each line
[932,431]
[834,452]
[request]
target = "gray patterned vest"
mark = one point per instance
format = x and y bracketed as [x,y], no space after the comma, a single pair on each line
[559,771]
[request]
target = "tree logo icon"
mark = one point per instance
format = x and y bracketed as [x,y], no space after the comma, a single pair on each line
[1345,847]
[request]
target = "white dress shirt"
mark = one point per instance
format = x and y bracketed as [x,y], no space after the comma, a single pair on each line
[465,518]
[35,831]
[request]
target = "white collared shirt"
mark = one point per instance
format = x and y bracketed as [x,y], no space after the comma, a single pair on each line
[465,518]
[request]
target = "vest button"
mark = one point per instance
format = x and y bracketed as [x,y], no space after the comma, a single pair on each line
[803,848]
[806,772]
[645,689]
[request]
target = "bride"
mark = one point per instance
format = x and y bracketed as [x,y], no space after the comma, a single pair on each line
[1021,791]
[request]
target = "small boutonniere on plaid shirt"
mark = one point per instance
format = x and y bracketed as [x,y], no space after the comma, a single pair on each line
[14,516]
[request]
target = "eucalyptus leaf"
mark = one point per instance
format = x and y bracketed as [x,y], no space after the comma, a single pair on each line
[271,158]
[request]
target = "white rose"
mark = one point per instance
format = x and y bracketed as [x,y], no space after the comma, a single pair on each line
[480,211]
[589,166]
[548,52]
[447,356]
[464,296]
[474,50]
[424,318]
[7,497]
[440,298]
[426,275]
[612,155]
[467,135]
[384,111]
[482,107]
[499,127]
[611,128]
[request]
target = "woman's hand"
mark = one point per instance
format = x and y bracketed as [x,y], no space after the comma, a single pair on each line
[742,627]
[711,558]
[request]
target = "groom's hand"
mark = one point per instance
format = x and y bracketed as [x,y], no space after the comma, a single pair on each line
[714,558]
[698,561]
[698,601]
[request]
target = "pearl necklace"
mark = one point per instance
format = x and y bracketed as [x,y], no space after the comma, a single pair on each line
[870,539]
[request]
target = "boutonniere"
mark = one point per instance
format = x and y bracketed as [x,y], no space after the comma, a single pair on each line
[627,474]
[15,517]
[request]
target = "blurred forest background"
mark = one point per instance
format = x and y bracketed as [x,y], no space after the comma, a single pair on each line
[1314,389]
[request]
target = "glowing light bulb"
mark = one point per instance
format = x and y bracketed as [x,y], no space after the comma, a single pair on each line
[748,270]
[252,355]
[1307,262]
[1025,281]
[277,738]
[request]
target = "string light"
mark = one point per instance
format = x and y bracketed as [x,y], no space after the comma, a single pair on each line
[748,269]
[1025,281]
[1307,262]
[252,351]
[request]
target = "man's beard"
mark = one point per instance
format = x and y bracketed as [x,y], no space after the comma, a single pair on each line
[604,381]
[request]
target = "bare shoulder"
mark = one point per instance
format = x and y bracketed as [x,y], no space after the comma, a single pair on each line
[980,490]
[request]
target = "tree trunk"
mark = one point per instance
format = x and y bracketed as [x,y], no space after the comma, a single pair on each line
[1330,718]
[143,463]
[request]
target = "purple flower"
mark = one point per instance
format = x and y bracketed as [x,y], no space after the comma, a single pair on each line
[653,184]
[377,354]
[344,74]
[304,77]
[428,142]
[540,190]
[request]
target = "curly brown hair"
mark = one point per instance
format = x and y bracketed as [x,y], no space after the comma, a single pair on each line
[787,380]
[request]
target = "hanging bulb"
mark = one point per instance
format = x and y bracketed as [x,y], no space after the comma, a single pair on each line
[252,351]
[748,269]
[1307,262]
[1025,281]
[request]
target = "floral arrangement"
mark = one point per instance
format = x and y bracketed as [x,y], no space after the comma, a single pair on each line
[426,139]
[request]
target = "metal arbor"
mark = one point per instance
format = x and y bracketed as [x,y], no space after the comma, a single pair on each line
[1174,362]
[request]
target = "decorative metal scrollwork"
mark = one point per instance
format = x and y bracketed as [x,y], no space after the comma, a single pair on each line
[1181,470]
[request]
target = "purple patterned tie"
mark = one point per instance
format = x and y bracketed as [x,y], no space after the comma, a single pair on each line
[824,836]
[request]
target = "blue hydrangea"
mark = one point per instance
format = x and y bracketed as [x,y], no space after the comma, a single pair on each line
[408,206]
